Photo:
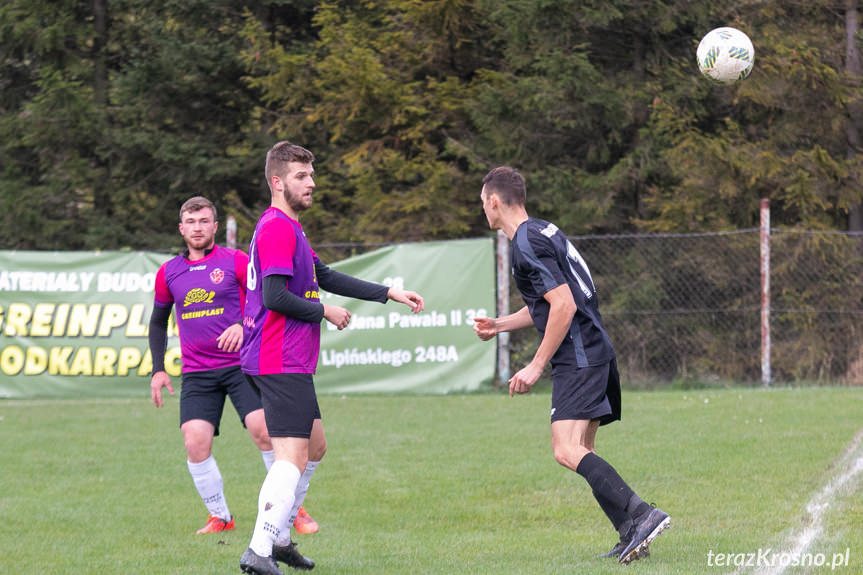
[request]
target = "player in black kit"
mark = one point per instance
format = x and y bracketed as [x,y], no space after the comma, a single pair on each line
[556,285]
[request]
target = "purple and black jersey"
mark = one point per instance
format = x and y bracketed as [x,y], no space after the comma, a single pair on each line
[272,342]
[209,295]
[543,259]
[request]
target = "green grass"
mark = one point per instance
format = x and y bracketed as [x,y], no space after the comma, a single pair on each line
[429,485]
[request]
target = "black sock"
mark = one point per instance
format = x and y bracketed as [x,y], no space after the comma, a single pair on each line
[603,479]
[619,518]
[637,507]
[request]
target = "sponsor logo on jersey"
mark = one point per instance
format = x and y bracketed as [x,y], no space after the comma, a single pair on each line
[202,313]
[198,295]
[216,276]
[197,268]
[549,230]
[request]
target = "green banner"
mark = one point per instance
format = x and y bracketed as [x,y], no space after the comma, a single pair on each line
[74,324]
[387,348]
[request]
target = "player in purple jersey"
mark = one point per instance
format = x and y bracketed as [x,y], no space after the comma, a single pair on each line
[280,349]
[561,301]
[207,284]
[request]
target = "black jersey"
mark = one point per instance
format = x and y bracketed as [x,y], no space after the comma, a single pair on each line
[543,259]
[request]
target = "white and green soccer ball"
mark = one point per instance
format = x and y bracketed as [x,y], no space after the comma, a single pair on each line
[725,55]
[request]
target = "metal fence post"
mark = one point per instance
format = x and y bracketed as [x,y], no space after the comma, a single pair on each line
[231,233]
[765,291]
[502,306]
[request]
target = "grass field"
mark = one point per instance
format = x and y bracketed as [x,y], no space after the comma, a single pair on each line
[434,485]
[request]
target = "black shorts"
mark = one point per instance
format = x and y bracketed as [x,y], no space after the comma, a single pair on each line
[290,403]
[202,395]
[587,393]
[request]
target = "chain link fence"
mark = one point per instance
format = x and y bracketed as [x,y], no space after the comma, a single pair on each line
[817,306]
[685,309]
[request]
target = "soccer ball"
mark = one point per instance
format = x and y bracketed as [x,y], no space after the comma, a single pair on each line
[725,55]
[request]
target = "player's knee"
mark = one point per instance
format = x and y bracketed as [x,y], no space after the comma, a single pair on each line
[562,454]
[196,449]
[257,427]
[198,439]
[318,450]
[262,440]
[569,456]
[261,437]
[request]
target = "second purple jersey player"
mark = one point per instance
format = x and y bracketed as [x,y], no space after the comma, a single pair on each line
[207,285]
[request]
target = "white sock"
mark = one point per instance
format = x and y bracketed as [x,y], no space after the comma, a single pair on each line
[274,506]
[268,457]
[299,496]
[208,481]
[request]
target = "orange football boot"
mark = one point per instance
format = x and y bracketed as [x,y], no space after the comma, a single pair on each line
[304,522]
[216,524]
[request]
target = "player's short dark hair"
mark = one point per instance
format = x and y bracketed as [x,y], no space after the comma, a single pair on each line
[508,184]
[198,203]
[283,153]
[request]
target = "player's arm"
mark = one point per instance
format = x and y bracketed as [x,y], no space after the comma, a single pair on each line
[279,299]
[163,301]
[349,286]
[231,339]
[562,310]
[275,247]
[241,267]
[548,279]
[158,336]
[488,327]
[158,339]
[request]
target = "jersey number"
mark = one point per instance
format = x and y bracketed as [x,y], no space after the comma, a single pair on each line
[251,276]
[573,257]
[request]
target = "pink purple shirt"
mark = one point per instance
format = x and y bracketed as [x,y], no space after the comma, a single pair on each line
[209,295]
[272,342]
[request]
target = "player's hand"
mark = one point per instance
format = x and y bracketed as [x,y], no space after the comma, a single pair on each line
[411,299]
[338,316]
[231,339]
[485,328]
[160,379]
[524,379]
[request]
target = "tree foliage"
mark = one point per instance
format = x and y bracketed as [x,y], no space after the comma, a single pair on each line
[107,125]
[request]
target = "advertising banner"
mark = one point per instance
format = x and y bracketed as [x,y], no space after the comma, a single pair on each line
[387,348]
[75,324]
